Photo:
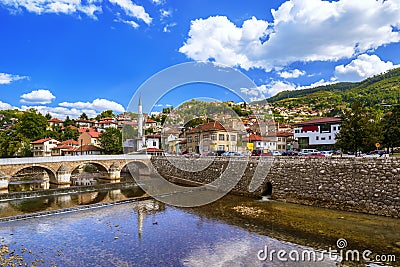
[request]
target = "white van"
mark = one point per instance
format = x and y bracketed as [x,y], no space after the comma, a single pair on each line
[307,151]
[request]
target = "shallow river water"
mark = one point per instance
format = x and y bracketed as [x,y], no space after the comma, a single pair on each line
[234,231]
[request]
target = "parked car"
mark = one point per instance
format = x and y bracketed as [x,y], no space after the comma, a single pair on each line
[376,154]
[276,153]
[260,153]
[220,152]
[290,153]
[327,153]
[307,151]
[314,155]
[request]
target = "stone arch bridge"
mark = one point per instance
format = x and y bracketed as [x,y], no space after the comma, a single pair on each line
[59,169]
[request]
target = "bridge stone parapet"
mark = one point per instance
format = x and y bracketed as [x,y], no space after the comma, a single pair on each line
[60,168]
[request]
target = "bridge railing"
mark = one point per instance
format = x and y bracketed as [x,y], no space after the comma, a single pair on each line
[33,160]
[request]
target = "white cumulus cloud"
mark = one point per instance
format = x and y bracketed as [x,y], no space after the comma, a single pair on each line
[97,105]
[132,23]
[6,78]
[89,7]
[62,112]
[40,96]
[292,74]
[4,106]
[274,87]
[133,10]
[362,67]
[301,30]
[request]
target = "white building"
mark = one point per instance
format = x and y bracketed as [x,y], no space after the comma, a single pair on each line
[151,141]
[42,147]
[318,133]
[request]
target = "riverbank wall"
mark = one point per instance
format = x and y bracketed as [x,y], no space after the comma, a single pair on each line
[368,185]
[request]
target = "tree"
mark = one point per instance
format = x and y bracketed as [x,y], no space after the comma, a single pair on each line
[105,114]
[391,128]
[111,141]
[69,134]
[13,144]
[83,116]
[68,122]
[32,125]
[359,131]
[129,132]
[48,116]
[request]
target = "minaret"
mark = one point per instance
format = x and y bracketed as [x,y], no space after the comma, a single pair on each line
[141,137]
[140,119]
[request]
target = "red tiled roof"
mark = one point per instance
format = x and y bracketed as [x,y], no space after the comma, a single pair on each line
[87,148]
[55,120]
[70,142]
[150,121]
[254,137]
[62,147]
[84,129]
[211,126]
[153,149]
[94,134]
[84,148]
[284,134]
[41,141]
[321,120]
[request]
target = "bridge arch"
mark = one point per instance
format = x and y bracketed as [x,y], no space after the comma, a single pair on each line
[100,167]
[136,168]
[50,172]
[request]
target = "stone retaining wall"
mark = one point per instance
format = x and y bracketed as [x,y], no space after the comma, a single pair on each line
[366,185]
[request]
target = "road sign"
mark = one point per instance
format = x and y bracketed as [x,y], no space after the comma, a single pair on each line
[377,145]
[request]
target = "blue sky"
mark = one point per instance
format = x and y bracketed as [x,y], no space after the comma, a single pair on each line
[71,56]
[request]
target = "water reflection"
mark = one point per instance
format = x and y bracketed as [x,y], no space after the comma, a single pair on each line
[36,178]
[54,202]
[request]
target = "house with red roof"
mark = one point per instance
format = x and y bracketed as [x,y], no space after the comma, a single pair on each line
[318,133]
[83,150]
[53,123]
[42,147]
[89,137]
[211,137]
[63,147]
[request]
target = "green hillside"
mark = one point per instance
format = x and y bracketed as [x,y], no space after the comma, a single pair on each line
[379,89]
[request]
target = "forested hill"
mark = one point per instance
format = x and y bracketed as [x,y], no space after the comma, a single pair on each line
[379,89]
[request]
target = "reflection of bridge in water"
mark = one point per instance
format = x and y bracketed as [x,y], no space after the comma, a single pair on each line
[59,169]
[53,202]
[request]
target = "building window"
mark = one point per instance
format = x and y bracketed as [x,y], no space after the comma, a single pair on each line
[196,138]
[206,136]
[297,131]
[323,138]
[221,137]
[189,140]
[213,136]
[330,137]
[279,139]
[154,143]
[334,128]
[227,137]
[233,137]
[221,147]
[317,138]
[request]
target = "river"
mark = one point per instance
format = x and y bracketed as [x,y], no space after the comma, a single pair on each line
[140,231]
